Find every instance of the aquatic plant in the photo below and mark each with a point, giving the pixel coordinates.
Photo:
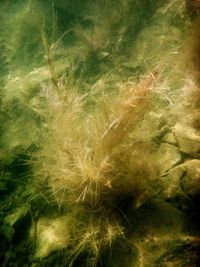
(83, 86)
(92, 164)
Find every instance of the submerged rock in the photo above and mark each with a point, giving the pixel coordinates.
(188, 140)
(191, 179)
(16, 222)
(50, 235)
(168, 156)
(182, 252)
(163, 234)
(182, 182)
(170, 139)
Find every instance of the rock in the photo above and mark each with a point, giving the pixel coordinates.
(169, 138)
(164, 251)
(123, 250)
(191, 179)
(182, 252)
(168, 156)
(188, 140)
(158, 228)
(182, 181)
(7, 231)
(16, 217)
(171, 184)
(155, 127)
(51, 235)
(16, 222)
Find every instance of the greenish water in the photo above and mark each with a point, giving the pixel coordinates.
(73, 118)
(85, 41)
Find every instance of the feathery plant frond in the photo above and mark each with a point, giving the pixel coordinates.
(90, 162)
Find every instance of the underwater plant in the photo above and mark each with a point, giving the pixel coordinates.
(85, 100)
(92, 165)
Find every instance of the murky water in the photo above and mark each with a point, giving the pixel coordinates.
(100, 133)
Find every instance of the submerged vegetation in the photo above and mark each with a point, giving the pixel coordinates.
(92, 164)
(92, 126)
